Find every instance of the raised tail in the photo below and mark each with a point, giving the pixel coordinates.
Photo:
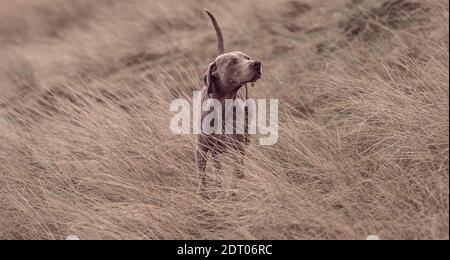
(220, 43)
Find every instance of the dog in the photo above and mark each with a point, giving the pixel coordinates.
(225, 77)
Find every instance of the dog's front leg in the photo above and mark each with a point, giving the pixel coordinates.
(200, 158)
(239, 164)
(217, 168)
(201, 166)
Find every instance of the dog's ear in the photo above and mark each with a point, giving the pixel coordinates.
(209, 80)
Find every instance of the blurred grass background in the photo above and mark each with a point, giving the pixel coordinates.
(85, 146)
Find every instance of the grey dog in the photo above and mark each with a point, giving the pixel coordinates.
(225, 76)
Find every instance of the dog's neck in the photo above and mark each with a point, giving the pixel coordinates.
(226, 91)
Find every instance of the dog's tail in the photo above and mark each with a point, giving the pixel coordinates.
(220, 44)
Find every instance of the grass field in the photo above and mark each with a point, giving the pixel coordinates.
(85, 146)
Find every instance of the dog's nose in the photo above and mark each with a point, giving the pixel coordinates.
(256, 65)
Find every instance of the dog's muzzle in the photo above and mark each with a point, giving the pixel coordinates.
(257, 66)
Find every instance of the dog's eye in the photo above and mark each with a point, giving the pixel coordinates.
(248, 58)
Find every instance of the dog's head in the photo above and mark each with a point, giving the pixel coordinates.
(229, 72)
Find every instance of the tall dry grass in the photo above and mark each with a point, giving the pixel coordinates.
(85, 146)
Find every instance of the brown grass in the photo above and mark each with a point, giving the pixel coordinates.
(85, 146)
